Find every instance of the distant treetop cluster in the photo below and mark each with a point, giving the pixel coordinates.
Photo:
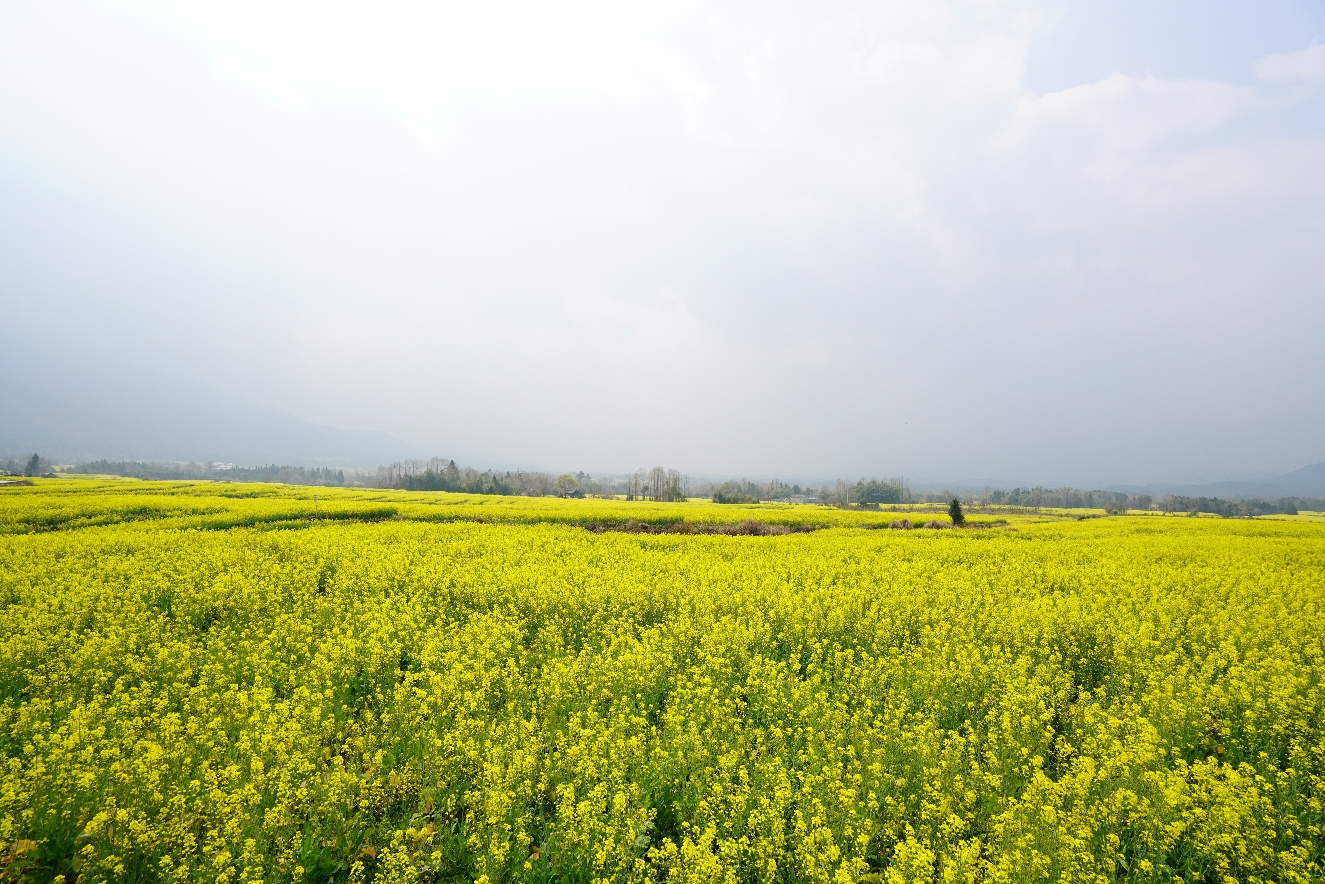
(36, 465)
(287, 475)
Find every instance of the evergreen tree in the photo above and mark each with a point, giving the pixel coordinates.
(955, 511)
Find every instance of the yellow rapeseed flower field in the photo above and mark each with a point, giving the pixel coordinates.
(205, 682)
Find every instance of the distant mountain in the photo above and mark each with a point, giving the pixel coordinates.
(1233, 490)
(1306, 482)
(117, 412)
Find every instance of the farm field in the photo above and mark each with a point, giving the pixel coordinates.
(205, 682)
(77, 502)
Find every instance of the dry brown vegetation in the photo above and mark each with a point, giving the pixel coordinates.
(747, 527)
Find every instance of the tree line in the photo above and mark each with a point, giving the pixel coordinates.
(288, 475)
(1117, 501)
(1240, 508)
(865, 492)
(1068, 498)
(662, 484)
(439, 474)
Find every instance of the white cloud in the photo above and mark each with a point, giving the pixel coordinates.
(761, 209)
(988, 66)
(1136, 113)
(1303, 66)
(238, 68)
(1283, 172)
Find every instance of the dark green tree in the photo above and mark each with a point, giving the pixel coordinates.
(955, 511)
(34, 466)
(734, 492)
(875, 491)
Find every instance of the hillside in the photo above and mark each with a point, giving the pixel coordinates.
(116, 412)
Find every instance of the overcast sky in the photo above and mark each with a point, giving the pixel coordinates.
(991, 239)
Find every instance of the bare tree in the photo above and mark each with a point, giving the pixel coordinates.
(678, 485)
(636, 483)
(659, 484)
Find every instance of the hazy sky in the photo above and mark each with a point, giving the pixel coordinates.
(988, 239)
